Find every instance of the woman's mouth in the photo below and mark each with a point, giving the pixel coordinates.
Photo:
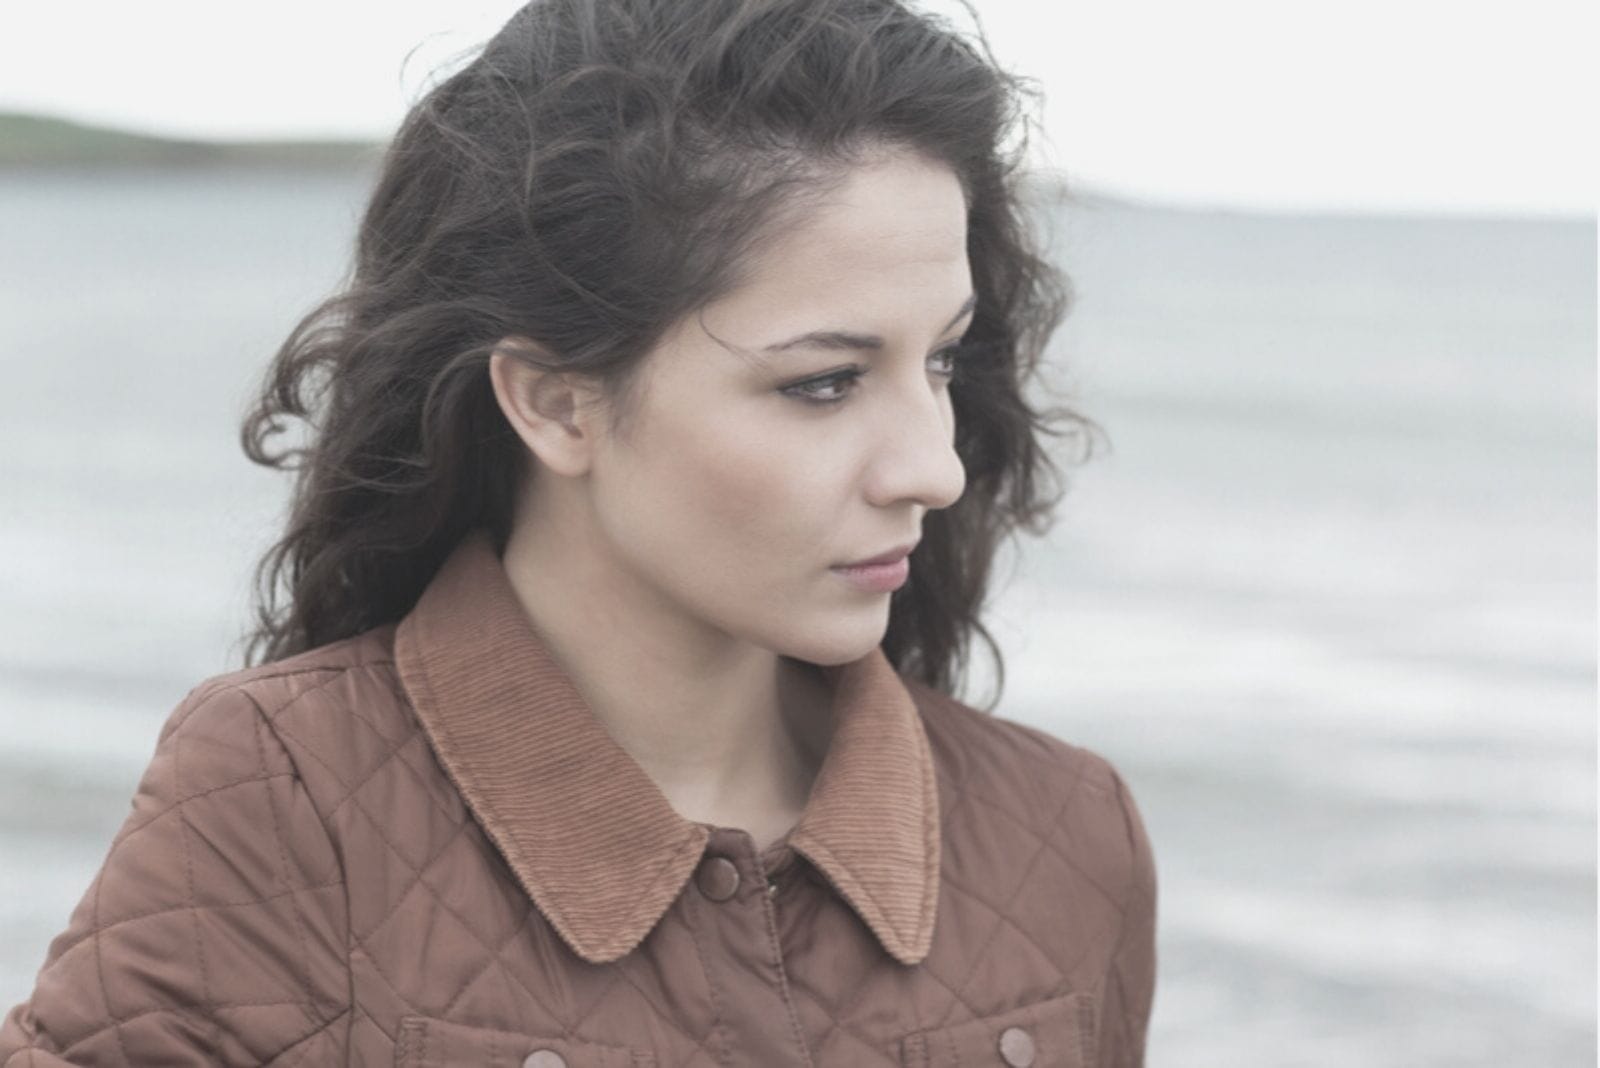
(877, 578)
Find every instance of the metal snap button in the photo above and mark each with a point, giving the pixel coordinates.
(1016, 1047)
(544, 1058)
(718, 878)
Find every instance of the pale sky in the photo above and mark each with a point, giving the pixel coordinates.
(1387, 105)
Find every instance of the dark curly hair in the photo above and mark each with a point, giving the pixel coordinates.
(599, 170)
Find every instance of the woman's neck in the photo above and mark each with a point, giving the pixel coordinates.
(731, 733)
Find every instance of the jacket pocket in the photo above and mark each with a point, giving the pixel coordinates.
(1056, 1033)
(426, 1042)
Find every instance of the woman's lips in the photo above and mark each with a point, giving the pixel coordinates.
(877, 578)
(885, 557)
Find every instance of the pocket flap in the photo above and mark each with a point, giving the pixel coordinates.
(426, 1042)
(1056, 1033)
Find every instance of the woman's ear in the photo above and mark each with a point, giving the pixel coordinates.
(554, 413)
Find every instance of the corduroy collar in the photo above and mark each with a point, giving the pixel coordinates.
(590, 836)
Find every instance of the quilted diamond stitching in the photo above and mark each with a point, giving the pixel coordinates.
(197, 795)
(397, 748)
(196, 700)
(661, 1016)
(261, 721)
(489, 962)
(835, 1024)
(1002, 918)
(211, 906)
(169, 1010)
(392, 756)
(349, 797)
(377, 969)
(177, 780)
(479, 845)
(1121, 908)
(1071, 794)
(283, 861)
(957, 996)
(961, 791)
(100, 971)
(1004, 914)
(497, 949)
(1117, 905)
(418, 881)
(307, 1044)
(951, 1051)
(1050, 845)
(870, 1046)
(717, 1017)
(350, 790)
(619, 975)
(600, 998)
(414, 881)
(832, 1011)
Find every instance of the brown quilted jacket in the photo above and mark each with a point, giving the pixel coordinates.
(417, 846)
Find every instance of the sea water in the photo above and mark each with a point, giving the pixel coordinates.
(1323, 591)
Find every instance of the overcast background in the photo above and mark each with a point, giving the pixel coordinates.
(1421, 105)
(1326, 599)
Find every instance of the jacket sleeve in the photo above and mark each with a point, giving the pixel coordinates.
(214, 932)
(1130, 982)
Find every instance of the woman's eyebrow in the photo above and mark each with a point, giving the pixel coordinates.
(843, 340)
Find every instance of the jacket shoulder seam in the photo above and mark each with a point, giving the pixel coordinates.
(269, 718)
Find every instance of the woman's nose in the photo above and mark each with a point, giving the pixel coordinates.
(915, 456)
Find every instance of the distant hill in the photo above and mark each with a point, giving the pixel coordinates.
(41, 141)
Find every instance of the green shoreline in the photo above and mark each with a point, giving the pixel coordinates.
(28, 141)
(40, 142)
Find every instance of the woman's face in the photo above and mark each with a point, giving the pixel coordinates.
(747, 477)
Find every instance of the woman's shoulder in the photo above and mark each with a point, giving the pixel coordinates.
(278, 682)
(1000, 777)
(987, 748)
(326, 705)
(312, 667)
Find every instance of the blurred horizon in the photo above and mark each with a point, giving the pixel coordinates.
(57, 139)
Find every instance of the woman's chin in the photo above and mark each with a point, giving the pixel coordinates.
(845, 644)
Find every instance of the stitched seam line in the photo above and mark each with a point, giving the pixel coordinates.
(305, 1043)
(184, 831)
(767, 912)
(170, 1011)
(834, 1011)
(718, 1021)
(1000, 919)
(114, 924)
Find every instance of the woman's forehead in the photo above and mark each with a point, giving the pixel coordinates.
(888, 227)
(899, 208)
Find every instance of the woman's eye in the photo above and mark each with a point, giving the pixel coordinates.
(825, 390)
(952, 357)
(833, 388)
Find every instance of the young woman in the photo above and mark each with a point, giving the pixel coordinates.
(660, 446)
